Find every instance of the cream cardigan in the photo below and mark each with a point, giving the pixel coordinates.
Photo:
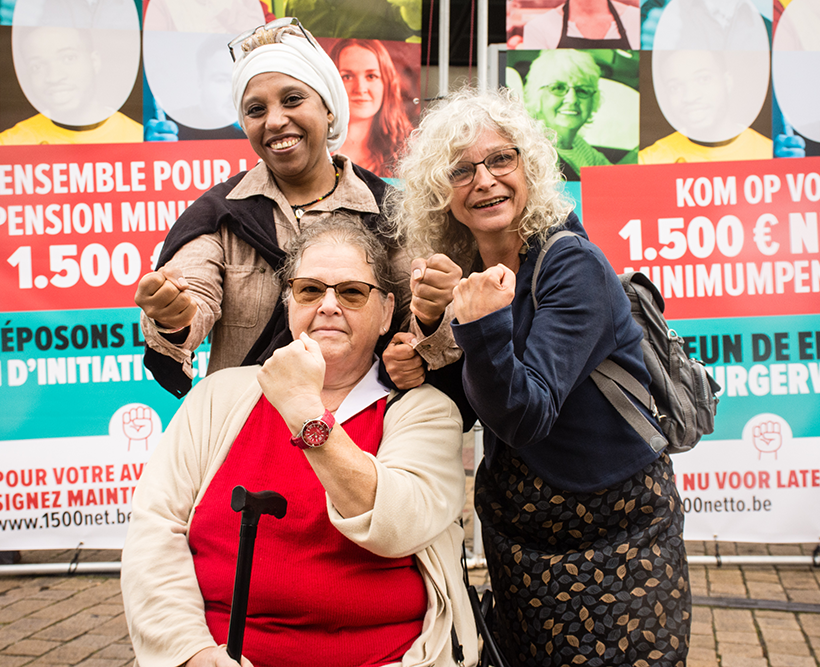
(419, 497)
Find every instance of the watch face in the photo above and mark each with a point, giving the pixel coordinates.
(315, 433)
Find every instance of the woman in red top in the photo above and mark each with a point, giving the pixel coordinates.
(363, 569)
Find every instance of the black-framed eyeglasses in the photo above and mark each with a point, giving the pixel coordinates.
(352, 294)
(560, 89)
(499, 163)
(238, 51)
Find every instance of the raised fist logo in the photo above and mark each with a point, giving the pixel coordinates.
(767, 438)
(137, 426)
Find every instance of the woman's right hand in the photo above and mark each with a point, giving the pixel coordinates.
(432, 282)
(216, 656)
(163, 296)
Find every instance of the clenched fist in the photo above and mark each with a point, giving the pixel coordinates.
(163, 297)
(483, 293)
(431, 282)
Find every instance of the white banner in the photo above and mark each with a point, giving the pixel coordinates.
(761, 488)
(75, 491)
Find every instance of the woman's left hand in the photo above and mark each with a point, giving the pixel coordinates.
(483, 293)
(292, 380)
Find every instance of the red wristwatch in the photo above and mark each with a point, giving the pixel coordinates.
(315, 432)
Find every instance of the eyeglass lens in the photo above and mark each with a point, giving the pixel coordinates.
(560, 89)
(351, 293)
(499, 163)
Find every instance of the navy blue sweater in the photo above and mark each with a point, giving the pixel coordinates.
(526, 372)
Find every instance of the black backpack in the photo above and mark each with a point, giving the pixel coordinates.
(681, 393)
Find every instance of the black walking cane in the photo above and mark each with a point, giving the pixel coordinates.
(252, 506)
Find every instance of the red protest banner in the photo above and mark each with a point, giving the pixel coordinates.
(79, 229)
(730, 239)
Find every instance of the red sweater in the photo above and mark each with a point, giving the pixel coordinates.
(316, 597)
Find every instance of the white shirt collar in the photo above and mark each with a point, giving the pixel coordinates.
(364, 394)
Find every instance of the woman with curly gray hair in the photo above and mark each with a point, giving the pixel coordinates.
(582, 523)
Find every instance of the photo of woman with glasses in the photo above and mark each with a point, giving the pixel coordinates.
(562, 90)
(378, 122)
(214, 275)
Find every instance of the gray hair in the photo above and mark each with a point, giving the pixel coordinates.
(420, 214)
(341, 228)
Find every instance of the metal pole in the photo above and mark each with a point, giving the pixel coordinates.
(483, 40)
(478, 454)
(443, 47)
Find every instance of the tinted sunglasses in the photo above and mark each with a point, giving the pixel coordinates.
(352, 294)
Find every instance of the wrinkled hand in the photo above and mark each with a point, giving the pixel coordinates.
(215, 657)
(292, 380)
(404, 365)
(483, 293)
(163, 297)
(431, 283)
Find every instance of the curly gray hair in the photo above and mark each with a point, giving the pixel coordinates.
(420, 213)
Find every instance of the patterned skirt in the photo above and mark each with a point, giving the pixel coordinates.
(596, 579)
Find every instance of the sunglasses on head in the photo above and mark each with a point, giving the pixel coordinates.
(352, 294)
(239, 51)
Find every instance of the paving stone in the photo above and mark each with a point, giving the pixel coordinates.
(32, 647)
(80, 648)
(733, 620)
(13, 660)
(803, 595)
(785, 660)
(102, 662)
(776, 619)
(25, 626)
(20, 608)
(725, 649)
(737, 637)
(115, 627)
(706, 641)
(782, 637)
(787, 647)
(810, 623)
(72, 627)
(117, 652)
(702, 662)
(742, 661)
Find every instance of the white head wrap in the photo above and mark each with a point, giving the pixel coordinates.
(297, 57)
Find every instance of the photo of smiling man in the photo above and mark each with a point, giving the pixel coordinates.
(711, 99)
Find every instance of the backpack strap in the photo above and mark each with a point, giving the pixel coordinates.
(611, 379)
(544, 250)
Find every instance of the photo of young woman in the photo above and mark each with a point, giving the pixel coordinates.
(379, 118)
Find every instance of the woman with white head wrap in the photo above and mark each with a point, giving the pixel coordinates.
(215, 271)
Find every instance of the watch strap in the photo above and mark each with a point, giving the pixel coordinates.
(314, 432)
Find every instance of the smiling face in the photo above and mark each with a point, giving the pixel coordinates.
(491, 205)
(287, 124)
(347, 337)
(567, 113)
(363, 82)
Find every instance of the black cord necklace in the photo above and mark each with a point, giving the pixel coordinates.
(299, 210)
